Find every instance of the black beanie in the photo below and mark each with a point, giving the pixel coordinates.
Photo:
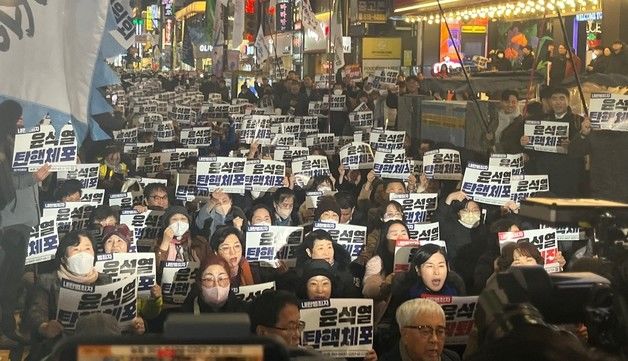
(326, 203)
(171, 211)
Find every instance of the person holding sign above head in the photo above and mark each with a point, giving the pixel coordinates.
(422, 327)
(565, 170)
(379, 274)
(212, 291)
(178, 244)
(228, 243)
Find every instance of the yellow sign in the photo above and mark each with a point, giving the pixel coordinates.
(473, 29)
(381, 48)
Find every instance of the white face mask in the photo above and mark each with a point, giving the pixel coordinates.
(283, 213)
(80, 263)
(388, 218)
(255, 194)
(215, 295)
(337, 91)
(330, 221)
(179, 228)
(263, 223)
(470, 219)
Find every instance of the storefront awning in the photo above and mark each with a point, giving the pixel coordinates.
(194, 8)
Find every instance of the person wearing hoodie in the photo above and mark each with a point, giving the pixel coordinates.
(178, 243)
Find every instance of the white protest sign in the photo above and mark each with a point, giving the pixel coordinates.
(93, 195)
(118, 299)
(487, 185)
(405, 250)
(566, 232)
(424, 232)
(41, 146)
(357, 155)
(382, 79)
(338, 103)
(442, 164)
(338, 327)
(387, 140)
(361, 119)
(122, 265)
(196, 137)
(168, 160)
(87, 174)
(417, 207)
(391, 164)
(362, 107)
(352, 238)
(546, 136)
(70, 215)
(325, 141)
(43, 241)
(144, 181)
(182, 114)
(146, 227)
(125, 136)
(513, 161)
(544, 239)
(459, 320)
(270, 245)
(256, 128)
(315, 108)
(527, 186)
(164, 132)
(249, 293)
(609, 111)
(264, 175)
(186, 189)
(177, 280)
(284, 139)
(287, 154)
(224, 173)
(122, 200)
(139, 148)
(305, 168)
(148, 122)
(216, 111)
(416, 166)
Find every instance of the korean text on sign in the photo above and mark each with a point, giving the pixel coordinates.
(609, 111)
(357, 155)
(544, 239)
(122, 265)
(225, 173)
(546, 136)
(486, 184)
(442, 164)
(177, 280)
(272, 245)
(43, 241)
(352, 238)
(417, 207)
(41, 146)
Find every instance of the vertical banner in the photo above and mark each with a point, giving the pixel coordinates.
(338, 327)
(284, 16)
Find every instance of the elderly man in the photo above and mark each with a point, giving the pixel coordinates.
(422, 327)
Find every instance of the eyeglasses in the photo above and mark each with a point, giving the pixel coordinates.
(426, 331)
(235, 248)
(160, 198)
(211, 281)
(292, 328)
(285, 205)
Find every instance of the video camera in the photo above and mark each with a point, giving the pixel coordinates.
(210, 337)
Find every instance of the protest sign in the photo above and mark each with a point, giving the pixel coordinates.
(146, 228)
(264, 175)
(272, 245)
(459, 313)
(93, 195)
(487, 185)
(566, 232)
(362, 107)
(357, 155)
(325, 141)
(417, 207)
(312, 197)
(125, 136)
(361, 119)
(256, 128)
(315, 108)
(424, 232)
(323, 81)
(249, 293)
(304, 168)
(176, 281)
(405, 250)
(338, 103)
(287, 154)
(122, 265)
(609, 111)
(70, 215)
(544, 239)
(43, 241)
(87, 174)
(164, 131)
(216, 111)
(196, 137)
(168, 160)
(139, 148)
(416, 166)
(387, 139)
(546, 136)
(284, 139)
(186, 188)
(182, 114)
(382, 79)
(513, 161)
(148, 122)
(352, 238)
(339, 327)
(223, 173)
(118, 299)
(527, 186)
(442, 164)
(353, 72)
(144, 181)
(122, 200)
(391, 164)
(41, 146)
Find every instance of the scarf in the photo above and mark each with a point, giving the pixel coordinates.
(89, 278)
(180, 251)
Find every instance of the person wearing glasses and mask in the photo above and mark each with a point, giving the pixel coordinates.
(422, 327)
(212, 290)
